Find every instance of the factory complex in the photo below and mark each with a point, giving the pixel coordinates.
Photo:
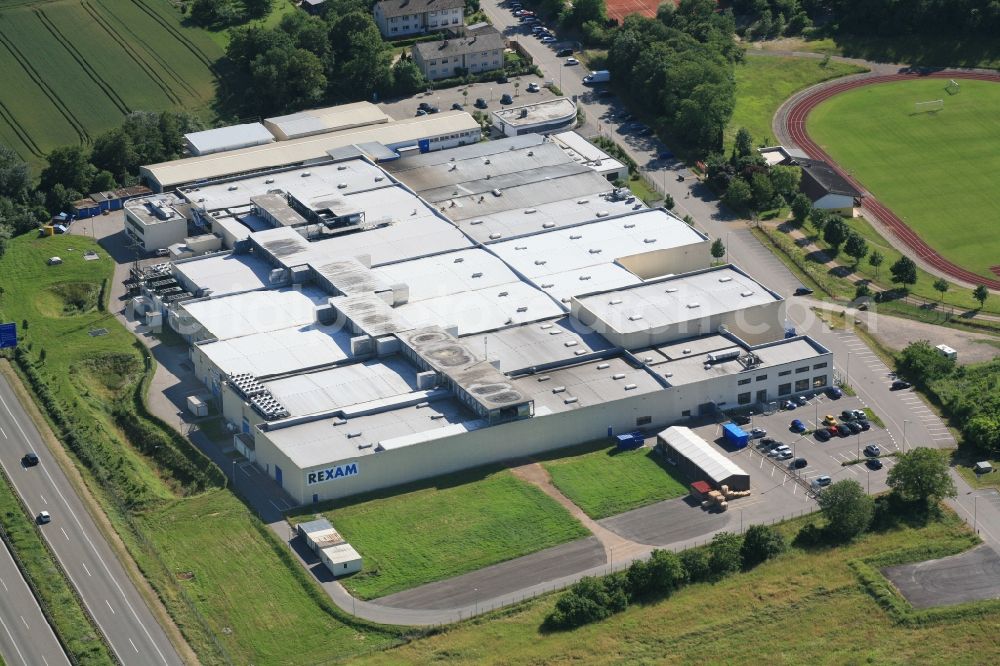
(373, 316)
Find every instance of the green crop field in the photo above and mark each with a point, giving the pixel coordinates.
(71, 70)
(605, 483)
(936, 170)
(764, 82)
(457, 524)
(804, 607)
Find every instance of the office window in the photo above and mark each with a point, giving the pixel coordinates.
(644, 420)
(819, 382)
(686, 412)
(784, 373)
(744, 382)
(761, 378)
(762, 396)
(819, 366)
(744, 398)
(802, 385)
(784, 389)
(799, 371)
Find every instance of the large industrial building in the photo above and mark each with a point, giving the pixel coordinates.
(370, 324)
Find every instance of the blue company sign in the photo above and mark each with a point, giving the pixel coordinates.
(332, 473)
(8, 335)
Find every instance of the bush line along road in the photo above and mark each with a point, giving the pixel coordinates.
(92, 566)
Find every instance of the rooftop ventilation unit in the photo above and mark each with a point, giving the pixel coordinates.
(629, 387)
(595, 250)
(584, 277)
(547, 285)
(570, 343)
(671, 290)
(247, 385)
(540, 262)
(341, 167)
(570, 400)
(544, 378)
(603, 366)
(269, 180)
(503, 293)
(635, 317)
(744, 294)
(582, 201)
(630, 225)
(725, 279)
(685, 351)
(379, 179)
(559, 389)
(233, 188)
(268, 407)
(520, 247)
(477, 275)
(495, 236)
(602, 213)
(548, 225)
(545, 326)
(459, 260)
(619, 375)
(530, 211)
(476, 222)
(575, 237)
(523, 308)
(615, 301)
(353, 434)
(719, 357)
(692, 306)
(648, 240)
(435, 417)
(341, 186)
(306, 174)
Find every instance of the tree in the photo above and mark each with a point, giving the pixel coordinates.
(763, 191)
(835, 232)
(760, 543)
(257, 8)
(876, 259)
(666, 572)
(668, 201)
(738, 195)
(15, 176)
(70, 167)
(981, 293)
(743, 144)
(855, 247)
(923, 363)
(941, 286)
(584, 11)
(696, 564)
(983, 431)
(785, 180)
(589, 600)
(724, 554)
(921, 476)
(847, 509)
(407, 77)
(801, 207)
(904, 271)
(819, 218)
(718, 249)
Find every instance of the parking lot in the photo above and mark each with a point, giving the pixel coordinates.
(490, 92)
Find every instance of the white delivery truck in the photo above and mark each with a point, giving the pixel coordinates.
(600, 76)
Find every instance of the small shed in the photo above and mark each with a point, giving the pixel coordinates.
(197, 406)
(319, 534)
(735, 436)
(698, 459)
(341, 559)
(982, 467)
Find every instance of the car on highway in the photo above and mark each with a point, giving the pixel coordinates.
(797, 426)
(798, 463)
(899, 385)
(873, 463)
(873, 451)
(43, 518)
(533, 87)
(562, 53)
(29, 459)
(822, 435)
(506, 99)
(834, 393)
(822, 481)
(572, 61)
(480, 103)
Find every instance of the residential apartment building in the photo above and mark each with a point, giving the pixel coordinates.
(479, 50)
(401, 18)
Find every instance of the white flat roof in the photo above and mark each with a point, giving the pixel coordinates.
(321, 442)
(506, 224)
(688, 297)
(280, 351)
(225, 273)
(256, 311)
(447, 273)
(228, 138)
(690, 369)
(281, 153)
(328, 119)
(535, 344)
(344, 386)
(342, 553)
(591, 383)
(701, 453)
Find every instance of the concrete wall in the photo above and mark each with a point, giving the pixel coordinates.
(157, 236)
(674, 260)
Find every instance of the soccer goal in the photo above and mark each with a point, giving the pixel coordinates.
(953, 88)
(929, 106)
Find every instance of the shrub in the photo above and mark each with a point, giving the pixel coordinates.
(760, 543)
(724, 555)
(589, 600)
(847, 509)
(696, 564)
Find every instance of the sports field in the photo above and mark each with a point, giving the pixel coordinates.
(71, 69)
(936, 170)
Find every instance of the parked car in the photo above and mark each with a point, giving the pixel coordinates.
(803, 291)
(29, 459)
(899, 385)
(789, 405)
(853, 427)
(860, 414)
(873, 451)
(533, 87)
(572, 61)
(424, 105)
(833, 431)
(456, 107)
(480, 103)
(830, 420)
(802, 400)
(822, 481)
(162, 252)
(798, 426)
(843, 432)
(740, 419)
(779, 451)
(757, 433)
(798, 463)
(766, 441)
(562, 53)
(506, 99)
(43, 518)
(822, 435)
(785, 455)
(548, 39)
(834, 392)
(433, 109)
(847, 415)
(873, 463)
(502, 78)
(865, 425)
(421, 112)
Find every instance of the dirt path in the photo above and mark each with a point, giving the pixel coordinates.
(615, 547)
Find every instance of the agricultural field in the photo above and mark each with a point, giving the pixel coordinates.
(806, 606)
(71, 70)
(447, 527)
(936, 170)
(763, 83)
(607, 482)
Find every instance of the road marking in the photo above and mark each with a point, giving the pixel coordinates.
(13, 642)
(4, 433)
(112, 609)
(133, 646)
(43, 498)
(25, 623)
(4, 585)
(85, 568)
(45, 660)
(64, 533)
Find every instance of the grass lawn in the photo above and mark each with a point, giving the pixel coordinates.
(605, 482)
(456, 524)
(764, 82)
(751, 617)
(935, 170)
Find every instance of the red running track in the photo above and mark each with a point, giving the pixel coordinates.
(796, 126)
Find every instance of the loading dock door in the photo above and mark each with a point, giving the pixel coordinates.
(277, 475)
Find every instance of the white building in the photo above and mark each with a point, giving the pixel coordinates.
(154, 224)
(535, 118)
(227, 138)
(329, 119)
(506, 303)
(474, 52)
(401, 18)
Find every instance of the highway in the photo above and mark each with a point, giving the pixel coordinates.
(25, 637)
(93, 568)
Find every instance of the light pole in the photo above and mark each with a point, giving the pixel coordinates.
(905, 421)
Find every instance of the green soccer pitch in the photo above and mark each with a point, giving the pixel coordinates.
(936, 170)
